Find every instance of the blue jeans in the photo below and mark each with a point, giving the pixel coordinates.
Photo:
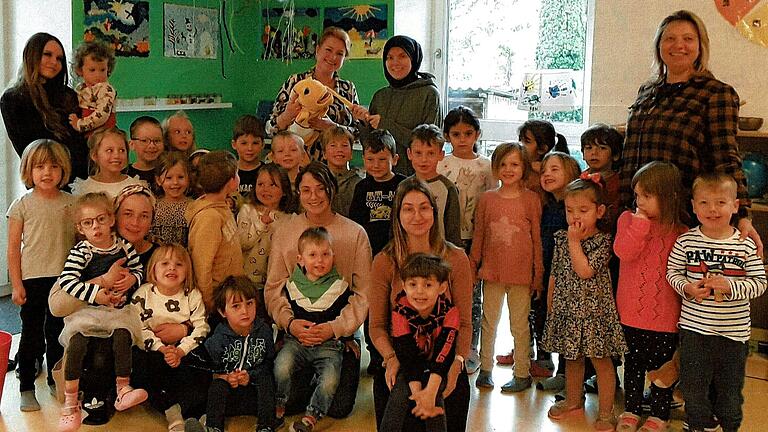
(711, 379)
(325, 359)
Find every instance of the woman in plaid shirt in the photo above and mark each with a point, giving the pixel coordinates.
(684, 115)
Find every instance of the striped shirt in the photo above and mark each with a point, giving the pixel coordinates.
(79, 267)
(692, 257)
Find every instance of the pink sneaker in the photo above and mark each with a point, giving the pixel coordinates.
(70, 419)
(129, 397)
(506, 359)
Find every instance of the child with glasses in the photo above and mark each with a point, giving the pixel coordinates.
(93, 273)
(147, 143)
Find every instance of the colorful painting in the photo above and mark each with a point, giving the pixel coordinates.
(190, 32)
(550, 90)
(122, 24)
(367, 26)
(290, 34)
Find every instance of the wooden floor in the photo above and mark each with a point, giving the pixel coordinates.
(490, 410)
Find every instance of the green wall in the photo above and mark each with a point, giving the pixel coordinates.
(248, 78)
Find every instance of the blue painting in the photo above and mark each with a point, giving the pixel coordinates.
(121, 24)
(367, 26)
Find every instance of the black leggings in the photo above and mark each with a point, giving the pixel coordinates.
(78, 347)
(39, 332)
(648, 350)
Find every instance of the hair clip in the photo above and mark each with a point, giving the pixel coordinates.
(594, 178)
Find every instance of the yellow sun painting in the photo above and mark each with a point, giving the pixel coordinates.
(360, 12)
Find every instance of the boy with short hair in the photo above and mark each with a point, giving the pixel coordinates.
(425, 325)
(148, 144)
(601, 146)
(337, 149)
(288, 152)
(316, 293)
(242, 356)
(717, 274)
(213, 242)
(425, 151)
(248, 141)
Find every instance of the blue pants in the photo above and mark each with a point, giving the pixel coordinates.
(325, 359)
(712, 363)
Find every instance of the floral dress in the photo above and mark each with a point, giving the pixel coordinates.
(583, 321)
(169, 225)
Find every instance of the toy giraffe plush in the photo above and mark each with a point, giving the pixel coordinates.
(314, 98)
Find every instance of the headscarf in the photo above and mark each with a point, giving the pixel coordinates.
(413, 50)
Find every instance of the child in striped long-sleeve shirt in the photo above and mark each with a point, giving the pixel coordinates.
(89, 275)
(717, 274)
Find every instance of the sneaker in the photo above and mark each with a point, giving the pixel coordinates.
(472, 363)
(560, 410)
(559, 396)
(506, 359)
(654, 424)
(517, 385)
(687, 428)
(264, 429)
(484, 379)
(70, 419)
(628, 422)
(539, 371)
(556, 383)
(605, 422)
(129, 397)
(306, 424)
(28, 402)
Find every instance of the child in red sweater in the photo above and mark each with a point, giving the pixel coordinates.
(648, 306)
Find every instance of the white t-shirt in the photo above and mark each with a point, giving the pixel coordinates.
(472, 177)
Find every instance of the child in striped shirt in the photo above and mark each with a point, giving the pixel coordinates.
(717, 274)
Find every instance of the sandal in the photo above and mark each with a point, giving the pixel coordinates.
(628, 422)
(654, 424)
(605, 422)
(561, 410)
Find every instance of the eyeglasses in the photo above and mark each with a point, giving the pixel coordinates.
(88, 223)
(146, 141)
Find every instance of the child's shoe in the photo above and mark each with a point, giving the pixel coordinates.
(605, 422)
(561, 410)
(472, 363)
(539, 371)
(654, 424)
(129, 397)
(306, 424)
(71, 418)
(556, 383)
(193, 425)
(517, 384)
(28, 401)
(484, 379)
(628, 422)
(264, 429)
(506, 359)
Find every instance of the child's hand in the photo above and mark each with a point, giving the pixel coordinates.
(116, 271)
(536, 289)
(577, 232)
(352, 345)
(125, 283)
(19, 295)
(242, 377)
(172, 355)
(73, 121)
(116, 299)
(696, 290)
(425, 404)
(640, 214)
(103, 297)
(718, 284)
(267, 218)
(233, 379)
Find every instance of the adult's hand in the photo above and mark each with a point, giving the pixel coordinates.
(300, 329)
(320, 124)
(374, 120)
(292, 109)
(360, 113)
(170, 333)
(451, 378)
(748, 230)
(116, 272)
(392, 367)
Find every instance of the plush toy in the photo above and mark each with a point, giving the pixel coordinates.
(314, 98)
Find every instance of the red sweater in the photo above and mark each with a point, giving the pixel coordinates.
(645, 300)
(507, 240)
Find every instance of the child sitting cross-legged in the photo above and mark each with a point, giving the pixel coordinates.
(424, 330)
(317, 294)
(242, 355)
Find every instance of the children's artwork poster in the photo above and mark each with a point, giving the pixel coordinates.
(290, 33)
(367, 26)
(750, 17)
(121, 24)
(190, 31)
(550, 90)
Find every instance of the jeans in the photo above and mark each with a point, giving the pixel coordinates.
(712, 361)
(257, 398)
(39, 332)
(325, 359)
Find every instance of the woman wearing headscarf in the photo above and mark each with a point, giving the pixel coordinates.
(410, 99)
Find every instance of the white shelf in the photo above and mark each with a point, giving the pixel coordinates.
(175, 107)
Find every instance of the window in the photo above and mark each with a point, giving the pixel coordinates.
(493, 47)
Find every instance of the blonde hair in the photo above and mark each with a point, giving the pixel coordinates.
(701, 64)
(338, 33)
(715, 180)
(166, 124)
(663, 180)
(94, 142)
(42, 151)
(570, 165)
(503, 150)
(180, 252)
(334, 132)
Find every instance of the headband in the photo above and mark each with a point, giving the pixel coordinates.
(134, 190)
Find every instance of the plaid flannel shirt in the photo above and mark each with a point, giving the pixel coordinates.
(692, 124)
